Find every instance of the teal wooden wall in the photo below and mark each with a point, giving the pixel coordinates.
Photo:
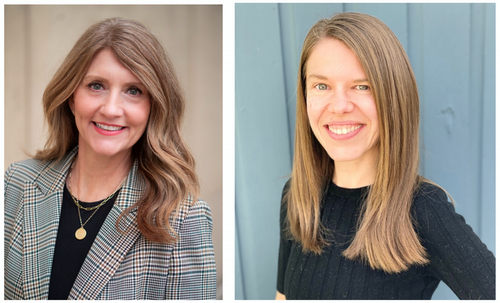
(452, 51)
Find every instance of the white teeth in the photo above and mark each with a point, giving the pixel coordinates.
(343, 130)
(108, 127)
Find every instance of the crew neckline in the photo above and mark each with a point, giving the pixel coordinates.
(347, 192)
(87, 204)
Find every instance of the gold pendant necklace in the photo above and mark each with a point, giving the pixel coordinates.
(80, 233)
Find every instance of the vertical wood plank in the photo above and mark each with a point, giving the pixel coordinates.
(263, 157)
(487, 219)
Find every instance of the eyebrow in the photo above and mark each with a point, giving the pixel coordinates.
(102, 79)
(317, 76)
(321, 77)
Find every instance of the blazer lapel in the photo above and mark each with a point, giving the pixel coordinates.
(42, 209)
(110, 246)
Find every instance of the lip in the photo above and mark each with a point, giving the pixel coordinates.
(341, 136)
(108, 132)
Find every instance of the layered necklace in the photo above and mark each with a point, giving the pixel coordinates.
(81, 233)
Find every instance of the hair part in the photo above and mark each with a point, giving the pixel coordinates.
(164, 160)
(385, 237)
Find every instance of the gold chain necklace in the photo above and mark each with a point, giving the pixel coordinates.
(89, 208)
(81, 233)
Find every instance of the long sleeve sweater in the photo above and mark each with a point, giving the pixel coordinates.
(456, 254)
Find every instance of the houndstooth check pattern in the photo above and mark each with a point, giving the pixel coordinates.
(118, 266)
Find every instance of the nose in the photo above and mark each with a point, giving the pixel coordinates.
(340, 103)
(112, 105)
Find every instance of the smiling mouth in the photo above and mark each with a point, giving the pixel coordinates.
(343, 130)
(108, 127)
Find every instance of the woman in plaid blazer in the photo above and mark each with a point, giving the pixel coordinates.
(114, 111)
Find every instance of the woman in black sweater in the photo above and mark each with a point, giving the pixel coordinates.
(357, 221)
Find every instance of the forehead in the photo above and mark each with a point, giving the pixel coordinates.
(333, 58)
(105, 64)
(104, 57)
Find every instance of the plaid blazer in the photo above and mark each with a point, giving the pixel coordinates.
(118, 266)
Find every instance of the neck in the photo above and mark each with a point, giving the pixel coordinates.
(355, 174)
(94, 178)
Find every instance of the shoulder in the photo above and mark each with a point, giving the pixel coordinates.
(284, 209)
(32, 169)
(431, 208)
(194, 215)
(19, 174)
(286, 187)
(429, 195)
(25, 170)
(430, 192)
(198, 208)
(284, 200)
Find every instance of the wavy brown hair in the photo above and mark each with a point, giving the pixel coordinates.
(164, 161)
(385, 236)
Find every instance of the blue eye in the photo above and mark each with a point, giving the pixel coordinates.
(134, 91)
(95, 86)
(362, 87)
(322, 86)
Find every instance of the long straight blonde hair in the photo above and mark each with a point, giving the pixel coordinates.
(165, 163)
(385, 237)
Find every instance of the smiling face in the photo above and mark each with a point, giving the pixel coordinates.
(111, 107)
(340, 104)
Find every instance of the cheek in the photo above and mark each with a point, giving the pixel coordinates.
(142, 114)
(315, 108)
(83, 104)
(372, 114)
(76, 100)
(315, 102)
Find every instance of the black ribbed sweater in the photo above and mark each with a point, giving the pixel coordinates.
(457, 256)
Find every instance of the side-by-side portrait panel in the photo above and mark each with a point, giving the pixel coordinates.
(113, 152)
(365, 151)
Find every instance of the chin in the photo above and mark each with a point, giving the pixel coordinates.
(110, 151)
(343, 156)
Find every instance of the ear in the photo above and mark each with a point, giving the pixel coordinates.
(71, 103)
